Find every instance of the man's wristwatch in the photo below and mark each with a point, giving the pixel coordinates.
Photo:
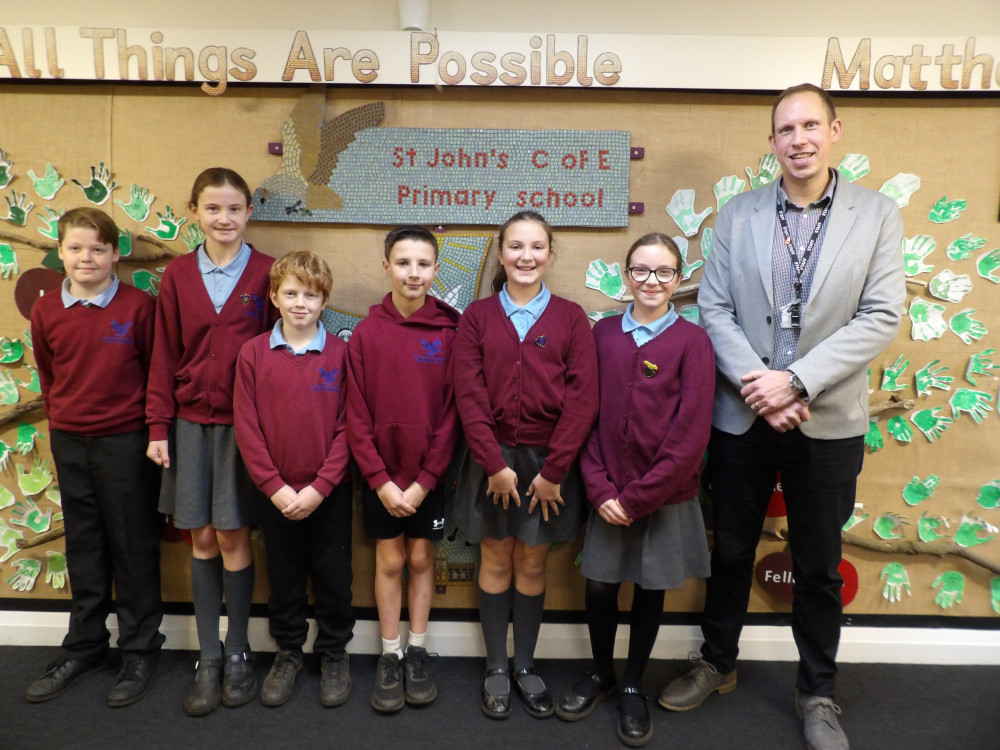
(796, 385)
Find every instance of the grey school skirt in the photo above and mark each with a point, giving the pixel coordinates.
(659, 551)
(207, 482)
(477, 516)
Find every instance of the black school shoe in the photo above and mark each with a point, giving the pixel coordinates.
(59, 677)
(239, 679)
(205, 692)
(635, 728)
(495, 705)
(420, 689)
(537, 704)
(581, 699)
(134, 680)
(387, 694)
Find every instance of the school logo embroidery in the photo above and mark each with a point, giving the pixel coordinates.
(328, 380)
(254, 306)
(121, 333)
(540, 341)
(431, 352)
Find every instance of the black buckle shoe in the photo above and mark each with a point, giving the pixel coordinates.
(496, 705)
(205, 692)
(134, 680)
(581, 699)
(538, 704)
(635, 728)
(239, 679)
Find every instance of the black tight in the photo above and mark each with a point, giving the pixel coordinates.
(602, 620)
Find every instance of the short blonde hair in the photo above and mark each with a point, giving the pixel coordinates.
(305, 266)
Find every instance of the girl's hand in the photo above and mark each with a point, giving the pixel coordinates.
(612, 512)
(503, 486)
(393, 500)
(303, 504)
(283, 498)
(158, 454)
(415, 494)
(546, 494)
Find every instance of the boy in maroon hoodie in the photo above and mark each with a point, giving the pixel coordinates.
(403, 447)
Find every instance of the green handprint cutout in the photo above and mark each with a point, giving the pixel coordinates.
(597, 315)
(854, 167)
(915, 249)
(11, 351)
(55, 570)
(32, 383)
(889, 526)
(5, 453)
(27, 572)
(989, 495)
(17, 208)
(600, 276)
(995, 593)
(981, 364)
(930, 377)
(26, 513)
(952, 587)
(727, 188)
(898, 429)
(707, 242)
(768, 171)
(169, 225)
(100, 187)
(973, 531)
(8, 389)
(137, 208)
(974, 403)
(950, 286)
(6, 498)
(890, 378)
(8, 261)
(928, 525)
(857, 517)
(50, 223)
(147, 281)
(966, 327)
(124, 243)
(193, 236)
(961, 248)
(690, 313)
(900, 188)
(868, 381)
(987, 264)
(33, 482)
(945, 210)
(929, 422)
(896, 581)
(8, 540)
(54, 495)
(48, 185)
(6, 173)
(873, 438)
(26, 437)
(926, 320)
(681, 210)
(917, 490)
(686, 268)
(26, 337)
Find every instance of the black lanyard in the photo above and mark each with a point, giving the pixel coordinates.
(799, 264)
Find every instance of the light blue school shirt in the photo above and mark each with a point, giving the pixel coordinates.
(643, 333)
(525, 317)
(278, 340)
(101, 300)
(220, 282)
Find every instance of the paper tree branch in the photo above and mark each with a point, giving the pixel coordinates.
(893, 402)
(165, 250)
(39, 539)
(11, 414)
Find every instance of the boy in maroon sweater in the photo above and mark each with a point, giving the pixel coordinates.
(403, 447)
(92, 341)
(295, 448)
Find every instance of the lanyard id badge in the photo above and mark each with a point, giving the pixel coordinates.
(791, 314)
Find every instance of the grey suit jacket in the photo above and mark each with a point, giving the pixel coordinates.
(851, 316)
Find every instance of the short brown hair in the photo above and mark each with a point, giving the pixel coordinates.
(802, 88)
(89, 218)
(217, 177)
(410, 232)
(307, 267)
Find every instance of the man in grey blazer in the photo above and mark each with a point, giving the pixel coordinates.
(804, 287)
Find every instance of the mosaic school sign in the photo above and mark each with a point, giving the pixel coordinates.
(469, 176)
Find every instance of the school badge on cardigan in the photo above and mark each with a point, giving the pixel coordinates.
(648, 368)
(540, 341)
(245, 298)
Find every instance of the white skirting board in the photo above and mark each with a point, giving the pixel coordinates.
(759, 642)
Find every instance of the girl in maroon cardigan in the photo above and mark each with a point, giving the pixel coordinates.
(640, 467)
(525, 375)
(211, 301)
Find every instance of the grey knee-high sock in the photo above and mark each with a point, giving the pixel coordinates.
(238, 585)
(527, 622)
(494, 614)
(206, 590)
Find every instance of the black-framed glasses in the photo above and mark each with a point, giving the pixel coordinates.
(640, 274)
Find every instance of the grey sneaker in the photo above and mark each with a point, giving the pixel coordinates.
(278, 684)
(690, 690)
(335, 678)
(420, 687)
(387, 696)
(819, 722)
